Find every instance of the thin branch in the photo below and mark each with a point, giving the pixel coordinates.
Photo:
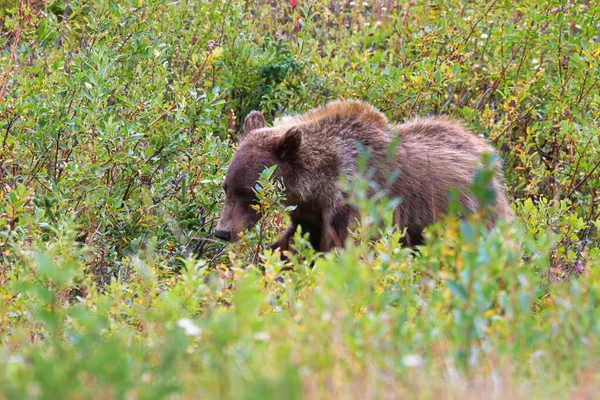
(520, 117)
(13, 51)
(589, 174)
(133, 31)
(201, 239)
(198, 74)
(465, 40)
(579, 160)
(502, 76)
(217, 255)
(8, 128)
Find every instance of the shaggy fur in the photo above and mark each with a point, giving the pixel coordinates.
(314, 149)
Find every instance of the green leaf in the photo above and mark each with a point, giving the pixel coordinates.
(457, 289)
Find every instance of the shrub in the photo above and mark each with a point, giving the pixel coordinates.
(118, 119)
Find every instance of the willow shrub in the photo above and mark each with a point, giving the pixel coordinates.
(117, 122)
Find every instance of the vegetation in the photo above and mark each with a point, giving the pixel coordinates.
(117, 122)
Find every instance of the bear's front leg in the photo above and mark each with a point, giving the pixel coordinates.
(283, 243)
(337, 226)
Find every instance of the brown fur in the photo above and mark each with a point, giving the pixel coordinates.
(349, 109)
(314, 149)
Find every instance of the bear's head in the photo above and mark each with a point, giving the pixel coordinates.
(259, 148)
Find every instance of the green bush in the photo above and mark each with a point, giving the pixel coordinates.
(117, 124)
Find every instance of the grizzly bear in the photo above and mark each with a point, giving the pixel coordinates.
(313, 150)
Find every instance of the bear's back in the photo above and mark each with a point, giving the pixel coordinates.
(340, 111)
(441, 133)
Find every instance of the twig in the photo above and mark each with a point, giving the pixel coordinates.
(199, 249)
(450, 98)
(260, 243)
(584, 179)
(175, 188)
(8, 128)
(582, 95)
(521, 116)
(483, 98)
(579, 160)
(131, 34)
(35, 168)
(13, 51)
(396, 105)
(198, 74)
(412, 107)
(559, 58)
(465, 40)
(205, 239)
(219, 253)
(522, 59)
(502, 76)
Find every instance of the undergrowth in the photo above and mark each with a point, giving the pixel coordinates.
(118, 120)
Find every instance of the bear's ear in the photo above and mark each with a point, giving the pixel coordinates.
(254, 120)
(289, 143)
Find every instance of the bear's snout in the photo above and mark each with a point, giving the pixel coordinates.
(223, 235)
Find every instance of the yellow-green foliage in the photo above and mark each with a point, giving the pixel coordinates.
(116, 127)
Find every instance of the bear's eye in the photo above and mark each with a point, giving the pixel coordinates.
(245, 194)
